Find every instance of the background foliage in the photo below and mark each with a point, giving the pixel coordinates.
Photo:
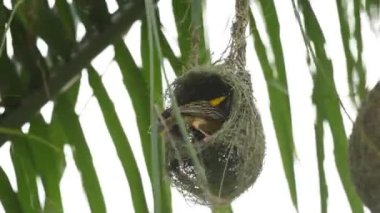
(30, 77)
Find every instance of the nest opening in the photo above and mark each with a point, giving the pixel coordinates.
(200, 85)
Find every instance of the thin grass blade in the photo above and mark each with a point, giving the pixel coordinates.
(188, 17)
(73, 132)
(26, 175)
(138, 92)
(152, 64)
(49, 164)
(360, 89)
(137, 87)
(8, 197)
(327, 101)
(354, 64)
(323, 189)
(279, 100)
(120, 141)
(168, 53)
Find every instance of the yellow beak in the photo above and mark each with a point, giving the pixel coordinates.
(216, 101)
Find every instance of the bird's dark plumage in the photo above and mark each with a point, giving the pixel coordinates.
(201, 118)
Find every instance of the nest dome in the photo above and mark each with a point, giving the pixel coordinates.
(232, 159)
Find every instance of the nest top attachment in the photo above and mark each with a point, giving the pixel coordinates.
(232, 156)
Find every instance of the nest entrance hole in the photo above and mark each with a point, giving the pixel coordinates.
(198, 85)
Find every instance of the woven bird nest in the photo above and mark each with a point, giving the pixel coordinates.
(232, 159)
(364, 151)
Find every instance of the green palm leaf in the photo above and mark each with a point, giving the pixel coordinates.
(120, 140)
(8, 197)
(82, 156)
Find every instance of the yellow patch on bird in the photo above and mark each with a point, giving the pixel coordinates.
(216, 101)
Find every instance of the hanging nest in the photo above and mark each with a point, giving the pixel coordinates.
(364, 151)
(232, 157)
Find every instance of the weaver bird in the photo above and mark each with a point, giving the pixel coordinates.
(201, 118)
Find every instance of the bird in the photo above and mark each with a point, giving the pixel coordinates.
(201, 118)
